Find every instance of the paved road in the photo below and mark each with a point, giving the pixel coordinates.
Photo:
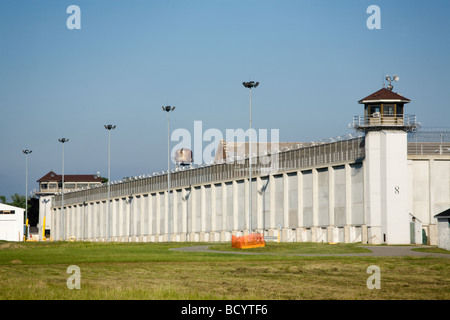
(377, 251)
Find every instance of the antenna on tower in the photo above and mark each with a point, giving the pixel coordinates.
(394, 78)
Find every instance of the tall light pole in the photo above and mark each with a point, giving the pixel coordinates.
(250, 85)
(26, 152)
(168, 109)
(109, 127)
(63, 141)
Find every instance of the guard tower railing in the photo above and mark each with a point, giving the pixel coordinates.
(378, 121)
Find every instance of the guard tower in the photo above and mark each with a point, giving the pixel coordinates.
(384, 110)
(386, 125)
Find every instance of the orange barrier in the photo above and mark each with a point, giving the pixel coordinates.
(253, 240)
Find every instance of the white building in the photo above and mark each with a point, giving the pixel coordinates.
(443, 221)
(11, 223)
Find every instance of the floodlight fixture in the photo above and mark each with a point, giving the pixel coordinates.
(168, 108)
(250, 84)
(110, 126)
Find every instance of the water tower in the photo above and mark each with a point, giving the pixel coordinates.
(183, 157)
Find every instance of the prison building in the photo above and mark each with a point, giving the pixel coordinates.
(383, 185)
(51, 184)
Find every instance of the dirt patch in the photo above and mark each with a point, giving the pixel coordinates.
(12, 245)
(16, 261)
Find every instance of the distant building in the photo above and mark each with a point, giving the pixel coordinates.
(11, 223)
(51, 184)
(443, 222)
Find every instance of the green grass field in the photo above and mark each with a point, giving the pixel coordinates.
(134, 271)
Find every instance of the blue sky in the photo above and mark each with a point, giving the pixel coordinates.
(314, 60)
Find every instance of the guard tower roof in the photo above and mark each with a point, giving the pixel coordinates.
(384, 95)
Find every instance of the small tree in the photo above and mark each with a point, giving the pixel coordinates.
(18, 200)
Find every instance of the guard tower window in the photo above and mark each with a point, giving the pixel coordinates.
(69, 185)
(374, 109)
(388, 110)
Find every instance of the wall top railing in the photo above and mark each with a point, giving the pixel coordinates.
(429, 148)
(320, 154)
(429, 141)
